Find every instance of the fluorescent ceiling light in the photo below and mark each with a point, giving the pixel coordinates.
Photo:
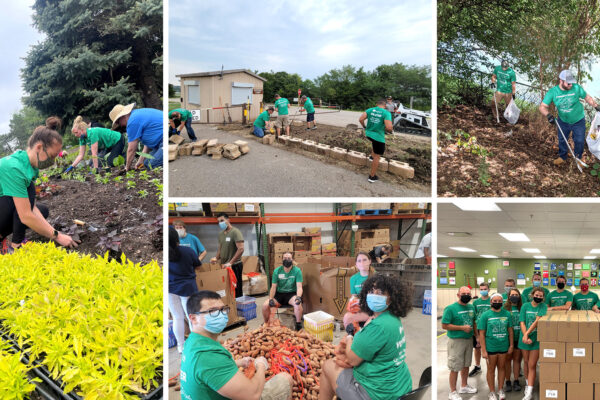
(539, 257)
(441, 256)
(532, 250)
(595, 251)
(589, 257)
(463, 249)
(476, 205)
(515, 237)
(487, 256)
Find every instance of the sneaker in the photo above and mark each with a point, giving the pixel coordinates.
(476, 370)
(528, 393)
(371, 158)
(298, 326)
(516, 386)
(373, 179)
(558, 161)
(507, 386)
(467, 389)
(308, 129)
(5, 246)
(194, 140)
(454, 396)
(314, 127)
(492, 396)
(501, 395)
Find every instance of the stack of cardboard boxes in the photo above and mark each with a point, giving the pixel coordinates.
(569, 355)
(347, 208)
(364, 239)
(302, 245)
(408, 208)
(235, 209)
(216, 279)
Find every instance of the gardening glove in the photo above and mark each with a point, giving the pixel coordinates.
(68, 169)
(551, 119)
(298, 300)
(597, 107)
(271, 303)
(350, 329)
(492, 85)
(263, 361)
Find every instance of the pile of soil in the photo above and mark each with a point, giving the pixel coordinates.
(520, 163)
(106, 208)
(414, 151)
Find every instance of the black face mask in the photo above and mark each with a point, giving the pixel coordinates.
(465, 298)
(514, 299)
(496, 306)
(560, 285)
(537, 300)
(287, 263)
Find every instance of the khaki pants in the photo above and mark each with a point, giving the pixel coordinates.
(500, 97)
(460, 352)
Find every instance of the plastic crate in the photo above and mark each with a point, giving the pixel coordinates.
(427, 302)
(320, 325)
(246, 307)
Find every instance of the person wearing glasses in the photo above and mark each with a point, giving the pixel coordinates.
(208, 370)
(571, 116)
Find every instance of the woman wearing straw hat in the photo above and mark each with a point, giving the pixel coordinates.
(142, 125)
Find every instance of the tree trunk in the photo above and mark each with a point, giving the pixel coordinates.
(145, 78)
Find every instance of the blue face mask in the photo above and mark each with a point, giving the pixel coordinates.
(536, 283)
(376, 302)
(223, 225)
(215, 324)
(484, 292)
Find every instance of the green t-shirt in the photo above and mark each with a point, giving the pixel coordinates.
(286, 281)
(356, 282)
(504, 79)
(557, 299)
(227, 244)
(481, 306)
(308, 106)
(382, 345)
(584, 301)
(185, 114)
(457, 314)
(525, 294)
(514, 317)
(282, 106)
(528, 314)
(570, 109)
(375, 123)
(105, 138)
(262, 119)
(495, 325)
(16, 174)
(206, 366)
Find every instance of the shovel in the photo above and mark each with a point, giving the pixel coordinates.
(228, 114)
(577, 160)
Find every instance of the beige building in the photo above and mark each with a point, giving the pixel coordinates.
(205, 91)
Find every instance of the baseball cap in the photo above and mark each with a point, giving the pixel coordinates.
(504, 64)
(566, 76)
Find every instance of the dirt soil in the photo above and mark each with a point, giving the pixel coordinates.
(415, 151)
(106, 208)
(520, 163)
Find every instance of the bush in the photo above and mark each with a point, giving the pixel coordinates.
(14, 384)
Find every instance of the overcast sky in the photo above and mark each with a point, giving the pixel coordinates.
(17, 36)
(308, 37)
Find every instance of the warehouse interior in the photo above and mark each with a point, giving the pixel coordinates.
(349, 224)
(483, 240)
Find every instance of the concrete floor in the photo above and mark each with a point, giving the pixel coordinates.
(479, 381)
(417, 343)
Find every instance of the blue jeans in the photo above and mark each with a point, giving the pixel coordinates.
(578, 129)
(258, 131)
(157, 161)
(190, 130)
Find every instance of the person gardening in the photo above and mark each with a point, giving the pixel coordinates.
(307, 103)
(262, 122)
(18, 207)
(230, 250)
(459, 320)
(143, 125)
(504, 83)
(482, 304)
(286, 288)
(536, 281)
(188, 240)
(497, 343)
(283, 118)
(513, 361)
(530, 314)
(571, 116)
(355, 317)
(208, 370)
(372, 363)
(561, 298)
(584, 300)
(180, 118)
(100, 140)
(379, 120)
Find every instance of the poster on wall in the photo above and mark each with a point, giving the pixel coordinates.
(443, 265)
(577, 266)
(443, 281)
(561, 273)
(561, 266)
(593, 266)
(545, 281)
(585, 274)
(521, 282)
(451, 265)
(569, 274)
(594, 282)
(552, 267)
(586, 266)
(594, 274)
(443, 274)
(577, 274)
(453, 281)
(537, 266)
(553, 274)
(545, 266)
(569, 266)
(520, 276)
(577, 281)
(544, 274)
(569, 282)
(452, 272)
(552, 281)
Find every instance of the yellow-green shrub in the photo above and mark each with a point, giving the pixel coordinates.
(14, 384)
(96, 324)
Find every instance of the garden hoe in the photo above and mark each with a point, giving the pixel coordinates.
(577, 160)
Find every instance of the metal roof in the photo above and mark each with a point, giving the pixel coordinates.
(216, 73)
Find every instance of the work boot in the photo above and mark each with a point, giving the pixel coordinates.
(558, 161)
(476, 370)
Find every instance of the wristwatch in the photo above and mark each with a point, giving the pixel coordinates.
(54, 234)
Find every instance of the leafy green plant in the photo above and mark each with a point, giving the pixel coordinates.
(119, 161)
(130, 174)
(595, 171)
(130, 184)
(143, 193)
(483, 172)
(143, 175)
(14, 384)
(78, 177)
(145, 155)
(118, 179)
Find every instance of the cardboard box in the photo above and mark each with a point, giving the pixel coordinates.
(552, 352)
(216, 208)
(553, 391)
(312, 230)
(579, 353)
(301, 257)
(302, 243)
(549, 372)
(568, 327)
(596, 353)
(548, 326)
(590, 373)
(569, 373)
(247, 208)
(255, 285)
(580, 391)
(328, 247)
(250, 264)
(328, 291)
(218, 281)
(282, 247)
(589, 328)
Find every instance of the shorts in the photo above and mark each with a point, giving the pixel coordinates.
(277, 388)
(378, 147)
(284, 298)
(310, 117)
(460, 353)
(349, 388)
(495, 353)
(283, 121)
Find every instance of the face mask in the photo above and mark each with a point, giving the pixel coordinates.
(538, 300)
(287, 263)
(496, 306)
(223, 225)
(215, 324)
(536, 283)
(180, 232)
(465, 298)
(560, 285)
(584, 288)
(514, 299)
(508, 288)
(484, 292)
(377, 302)
(48, 162)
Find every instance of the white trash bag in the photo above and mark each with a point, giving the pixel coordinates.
(512, 112)
(593, 137)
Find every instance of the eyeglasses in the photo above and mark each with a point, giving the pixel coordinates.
(215, 313)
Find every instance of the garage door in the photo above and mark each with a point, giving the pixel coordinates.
(241, 93)
(194, 94)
